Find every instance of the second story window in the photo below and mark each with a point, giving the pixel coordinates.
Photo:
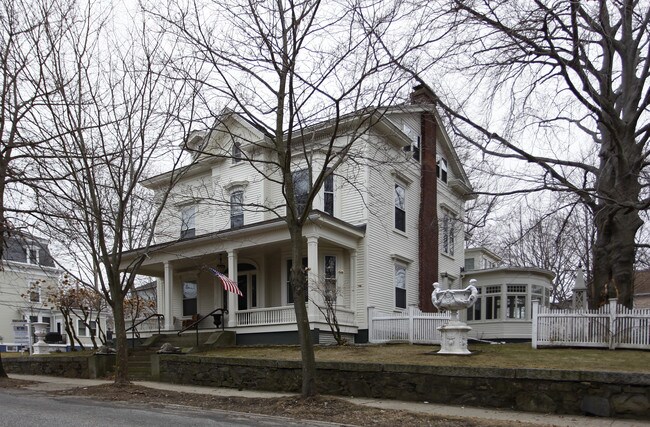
(34, 292)
(328, 194)
(188, 220)
(236, 209)
(400, 208)
(448, 233)
(301, 189)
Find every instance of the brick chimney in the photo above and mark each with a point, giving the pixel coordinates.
(428, 216)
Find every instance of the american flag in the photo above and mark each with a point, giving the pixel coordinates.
(228, 284)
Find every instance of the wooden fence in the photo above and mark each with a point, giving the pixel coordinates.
(611, 326)
(411, 326)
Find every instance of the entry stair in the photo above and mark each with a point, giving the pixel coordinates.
(140, 356)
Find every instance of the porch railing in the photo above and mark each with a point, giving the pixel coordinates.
(266, 316)
(285, 315)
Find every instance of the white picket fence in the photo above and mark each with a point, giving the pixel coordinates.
(411, 326)
(611, 326)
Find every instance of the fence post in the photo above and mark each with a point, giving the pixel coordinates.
(371, 313)
(411, 313)
(613, 333)
(533, 334)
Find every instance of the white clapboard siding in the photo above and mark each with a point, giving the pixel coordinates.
(611, 326)
(411, 326)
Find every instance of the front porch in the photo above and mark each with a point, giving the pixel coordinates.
(257, 259)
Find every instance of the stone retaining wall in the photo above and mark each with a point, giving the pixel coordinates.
(95, 366)
(536, 390)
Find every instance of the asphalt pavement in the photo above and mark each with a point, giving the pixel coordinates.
(46, 383)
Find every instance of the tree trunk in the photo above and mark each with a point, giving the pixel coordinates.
(121, 345)
(3, 374)
(300, 285)
(614, 252)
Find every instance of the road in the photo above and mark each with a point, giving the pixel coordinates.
(27, 408)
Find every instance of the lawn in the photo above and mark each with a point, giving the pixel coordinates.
(485, 355)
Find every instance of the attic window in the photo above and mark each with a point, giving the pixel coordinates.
(237, 155)
(441, 169)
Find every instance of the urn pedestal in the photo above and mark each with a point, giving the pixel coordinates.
(454, 338)
(40, 330)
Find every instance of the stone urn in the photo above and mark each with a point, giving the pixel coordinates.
(40, 330)
(454, 333)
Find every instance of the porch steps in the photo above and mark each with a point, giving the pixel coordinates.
(140, 365)
(188, 341)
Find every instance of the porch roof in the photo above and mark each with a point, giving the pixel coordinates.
(269, 232)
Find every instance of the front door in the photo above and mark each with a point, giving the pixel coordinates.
(247, 283)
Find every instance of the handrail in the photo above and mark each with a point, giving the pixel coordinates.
(214, 314)
(134, 331)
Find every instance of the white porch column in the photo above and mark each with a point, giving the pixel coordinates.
(167, 296)
(313, 276)
(232, 297)
(353, 282)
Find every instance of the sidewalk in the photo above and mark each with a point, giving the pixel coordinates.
(57, 383)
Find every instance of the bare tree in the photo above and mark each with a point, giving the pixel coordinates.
(287, 67)
(538, 76)
(112, 117)
(23, 50)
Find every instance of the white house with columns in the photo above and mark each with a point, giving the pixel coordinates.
(383, 228)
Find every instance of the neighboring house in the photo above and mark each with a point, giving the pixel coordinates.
(380, 233)
(28, 271)
(480, 258)
(642, 289)
(506, 294)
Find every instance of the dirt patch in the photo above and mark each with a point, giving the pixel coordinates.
(318, 408)
(14, 383)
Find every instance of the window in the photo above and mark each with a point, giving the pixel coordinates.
(400, 286)
(289, 287)
(93, 328)
(190, 292)
(416, 148)
(516, 304)
(469, 264)
(237, 154)
(474, 312)
(188, 218)
(493, 302)
(441, 169)
(34, 292)
(236, 209)
(301, 189)
(400, 208)
(81, 327)
(328, 190)
(448, 232)
(330, 278)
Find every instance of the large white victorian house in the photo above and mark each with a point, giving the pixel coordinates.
(381, 232)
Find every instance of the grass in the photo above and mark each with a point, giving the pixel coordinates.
(484, 355)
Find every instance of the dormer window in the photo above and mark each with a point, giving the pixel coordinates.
(31, 255)
(441, 169)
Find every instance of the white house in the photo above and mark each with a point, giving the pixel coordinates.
(28, 270)
(384, 227)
